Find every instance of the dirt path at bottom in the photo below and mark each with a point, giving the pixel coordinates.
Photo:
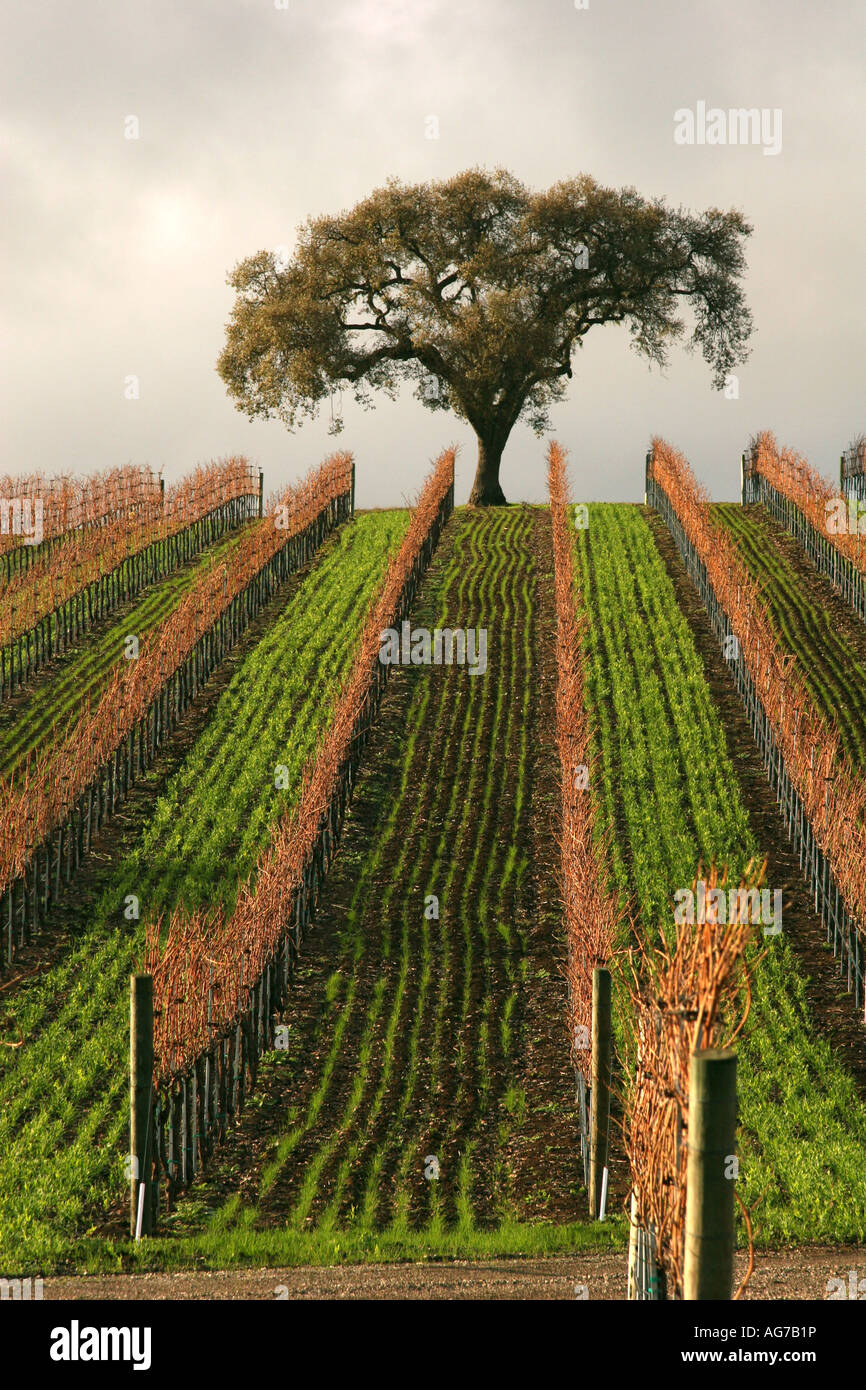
(785, 1274)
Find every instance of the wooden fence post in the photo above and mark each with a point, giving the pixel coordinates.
(709, 1238)
(140, 1097)
(743, 479)
(600, 1108)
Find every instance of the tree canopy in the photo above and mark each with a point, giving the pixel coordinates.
(480, 291)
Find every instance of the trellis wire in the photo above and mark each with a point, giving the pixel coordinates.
(75, 576)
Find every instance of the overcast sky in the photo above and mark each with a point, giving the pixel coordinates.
(252, 117)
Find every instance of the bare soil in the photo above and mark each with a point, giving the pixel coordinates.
(789, 1274)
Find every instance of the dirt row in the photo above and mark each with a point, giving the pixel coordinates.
(790, 1274)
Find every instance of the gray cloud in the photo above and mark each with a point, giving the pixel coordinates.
(253, 118)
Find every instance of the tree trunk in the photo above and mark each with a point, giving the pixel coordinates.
(486, 491)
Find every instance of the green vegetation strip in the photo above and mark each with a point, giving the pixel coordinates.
(412, 1022)
(64, 1116)
(833, 671)
(59, 692)
(670, 789)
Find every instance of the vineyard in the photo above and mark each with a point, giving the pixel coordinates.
(671, 792)
(207, 827)
(391, 815)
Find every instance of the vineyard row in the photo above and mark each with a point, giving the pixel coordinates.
(591, 910)
(821, 797)
(217, 983)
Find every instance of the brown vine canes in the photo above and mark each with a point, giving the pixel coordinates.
(689, 992)
(591, 909)
(77, 770)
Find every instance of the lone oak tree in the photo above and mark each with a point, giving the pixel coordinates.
(480, 291)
